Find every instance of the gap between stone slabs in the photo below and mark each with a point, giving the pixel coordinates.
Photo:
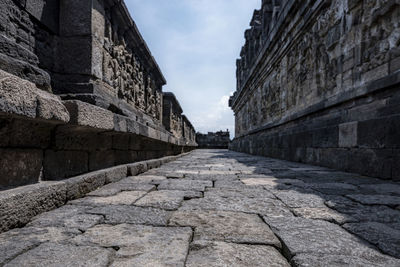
(19, 205)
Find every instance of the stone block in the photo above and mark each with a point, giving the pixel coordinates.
(325, 137)
(121, 142)
(396, 165)
(23, 98)
(125, 157)
(63, 164)
(394, 65)
(375, 74)
(101, 159)
(47, 12)
(18, 206)
(25, 133)
(380, 133)
(84, 114)
(75, 17)
(371, 162)
(137, 168)
(154, 163)
(348, 134)
(78, 187)
(20, 166)
(75, 55)
(116, 173)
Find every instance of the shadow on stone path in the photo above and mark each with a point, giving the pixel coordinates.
(219, 208)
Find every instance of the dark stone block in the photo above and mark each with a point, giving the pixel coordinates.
(75, 55)
(326, 137)
(371, 162)
(125, 157)
(63, 164)
(75, 17)
(101, 159)
(46, 11)
(121, 142)
(396, 165)
(380, 133)
(20, 166)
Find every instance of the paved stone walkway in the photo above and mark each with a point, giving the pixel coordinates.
(219, 208)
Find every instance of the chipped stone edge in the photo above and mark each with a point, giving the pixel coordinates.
(18, 213)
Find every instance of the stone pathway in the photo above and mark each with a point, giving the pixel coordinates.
(219, 208)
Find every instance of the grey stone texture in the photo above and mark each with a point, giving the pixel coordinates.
(267, 217)
(210, 140)
(327, 98)
(78, 95)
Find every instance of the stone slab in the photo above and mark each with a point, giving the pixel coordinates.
(118, 214)
(381, 235)
(233, 227)
(18, 206)
(319, 237)
(53, 254)
(205, 253)
(141, 245)
(123, 198)
(165, 199)
(376, 199)
(67, 216)
(17, 241)
(185, 185)
(21, 97)
(115, 188)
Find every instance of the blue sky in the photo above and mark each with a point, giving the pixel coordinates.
(196, 43)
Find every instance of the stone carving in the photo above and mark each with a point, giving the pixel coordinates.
(300, 75)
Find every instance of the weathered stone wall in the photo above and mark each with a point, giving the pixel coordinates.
(79, 91)
(318, 82)
(172, 113)
(219, 140)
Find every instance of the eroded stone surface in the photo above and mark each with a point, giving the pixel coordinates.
(141, 245)
(205, 253)
(54, 255)
(123, 198)
(173, 184)
(130, 214)
(163, 199)
(226, 226)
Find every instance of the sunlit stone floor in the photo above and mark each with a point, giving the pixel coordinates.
(219, 208)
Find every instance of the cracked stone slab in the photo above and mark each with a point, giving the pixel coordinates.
(272, 182)
(334, 188)
(141, 245)
(68, 216)
(184, 185)
(258, 193)
(149, 179)
(17, 241)
(226, 226)
(324, 213)
(118, 214)
(381, 235)
(264, 206)
(376, 199)
(321, 260)
(295, 199)
(364, 213)
(123, 198)
(55, 255)
(205, 253)
(319, 237)
(383, 188)
(166, 199)
(115, 188)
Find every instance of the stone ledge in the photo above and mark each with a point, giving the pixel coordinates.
(19, 205)
(20, 97)
(91, 117)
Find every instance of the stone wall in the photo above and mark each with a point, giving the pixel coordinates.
(318, 82)
(79, 91)
(218, 140)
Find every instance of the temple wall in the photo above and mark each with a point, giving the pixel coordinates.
(318, 82)
(79, 91)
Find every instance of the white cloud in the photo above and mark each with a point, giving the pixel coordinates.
(196, 43)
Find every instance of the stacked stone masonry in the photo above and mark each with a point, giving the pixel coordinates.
(79, 91)
(219, 140)
(318, 82)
